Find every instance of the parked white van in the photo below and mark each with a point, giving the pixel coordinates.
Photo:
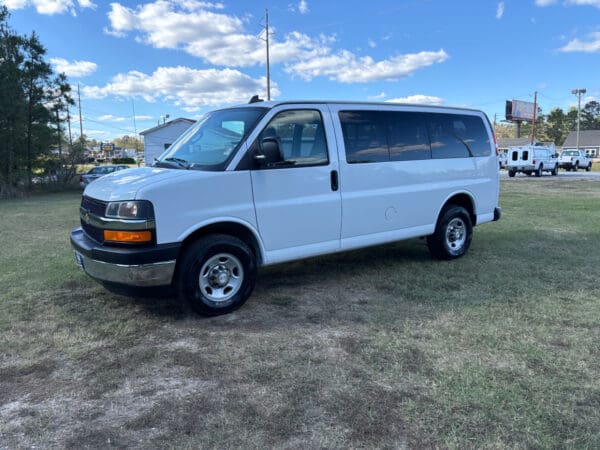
(270, 182)
(530, 159)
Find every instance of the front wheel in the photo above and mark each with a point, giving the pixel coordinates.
(511, 173)
(589, 167)
(575, 166)
(554, 171)
(453, 233)
(216, 275)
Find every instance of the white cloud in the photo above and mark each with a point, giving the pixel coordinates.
(49, 7)
(144, 118)
(577, 45)
(372, 43)
(346, 67)
(303, 7)
(222, 40)
(419, 99)
(500, 10)
(73, 69)
(197, 29)
(96, 133)
(545, 2)
(187, 88)
(379, 96)
(111, 118)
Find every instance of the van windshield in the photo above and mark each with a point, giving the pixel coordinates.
(211, 143)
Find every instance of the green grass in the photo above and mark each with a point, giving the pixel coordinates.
(382, 347)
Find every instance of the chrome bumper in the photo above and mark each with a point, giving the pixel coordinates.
(155, 274)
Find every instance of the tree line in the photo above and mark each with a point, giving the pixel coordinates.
(34, 115)
(556, 125)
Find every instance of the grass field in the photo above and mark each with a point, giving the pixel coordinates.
(382, 347)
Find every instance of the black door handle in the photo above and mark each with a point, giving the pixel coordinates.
(334, 180)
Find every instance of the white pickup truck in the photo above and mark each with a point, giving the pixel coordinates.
(530, 159)
(574, 159)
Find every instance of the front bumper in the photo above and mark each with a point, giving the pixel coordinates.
(128, 266)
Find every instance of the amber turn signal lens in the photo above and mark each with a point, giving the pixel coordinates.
(127, 236)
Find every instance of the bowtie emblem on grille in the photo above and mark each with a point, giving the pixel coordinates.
(86, 217)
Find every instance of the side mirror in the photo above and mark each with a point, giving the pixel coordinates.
(269, 152)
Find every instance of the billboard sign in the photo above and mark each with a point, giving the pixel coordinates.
(107, 147)
(522, 110)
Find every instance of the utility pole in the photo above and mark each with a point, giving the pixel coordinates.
(134, 127)
(534, 117)
(59, 137)
(268, 59)
(80, 119)
(578, 93)
(70, 136)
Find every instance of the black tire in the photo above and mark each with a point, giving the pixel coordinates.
(229, 277)
(511, 173)
(575, 166)
(554, 171)
(538, 172)
(453, 233)
(589, 167)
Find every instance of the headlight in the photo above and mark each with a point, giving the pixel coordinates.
(132, 209)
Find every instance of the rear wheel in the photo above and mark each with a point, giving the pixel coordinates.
(453, 233)
(589, 167)
(216, 275)
(538, 172)
(511, 173)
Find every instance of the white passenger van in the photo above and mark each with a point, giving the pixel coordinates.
(270, 182)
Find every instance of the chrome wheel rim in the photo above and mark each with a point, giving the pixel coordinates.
(456, 234)
(221, 277)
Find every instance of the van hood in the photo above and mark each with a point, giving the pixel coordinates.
(124, 184)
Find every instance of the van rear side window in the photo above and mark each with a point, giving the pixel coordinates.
(457, 136)
(378, 136)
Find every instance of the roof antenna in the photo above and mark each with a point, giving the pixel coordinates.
(255, 99)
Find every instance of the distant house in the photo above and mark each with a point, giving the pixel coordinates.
(159, 138)
(589, 140)
(505, 143)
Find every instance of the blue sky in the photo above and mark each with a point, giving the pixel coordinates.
(184, 57)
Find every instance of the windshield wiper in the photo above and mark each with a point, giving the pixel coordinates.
(182, 162)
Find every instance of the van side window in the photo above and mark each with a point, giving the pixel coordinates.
(301, 138)
(457, 136)
(364, 136)
(407, 136)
